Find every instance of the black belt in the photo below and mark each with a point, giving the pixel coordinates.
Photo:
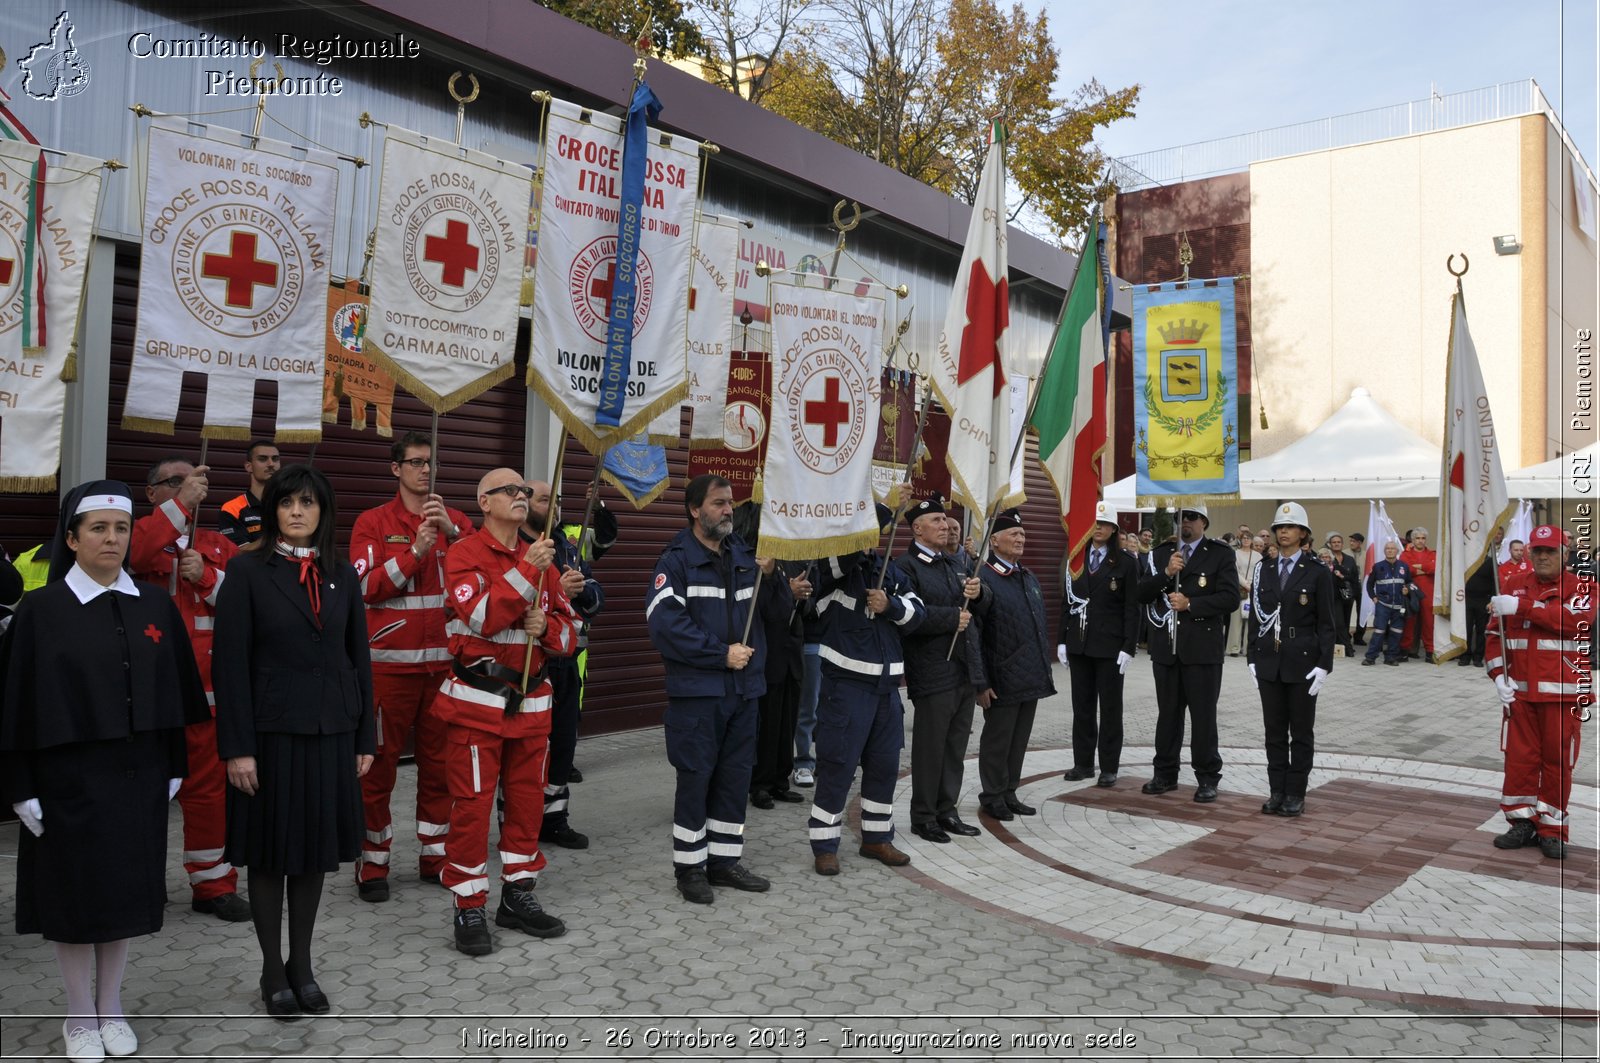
(494, 678)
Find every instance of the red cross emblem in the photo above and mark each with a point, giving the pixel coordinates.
(600, 287)
(240, 268)
(453, 251)
(831, 412)
(9, 264)
(988, 313)
(153, 633)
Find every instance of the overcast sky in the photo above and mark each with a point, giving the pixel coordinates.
(1225, 67)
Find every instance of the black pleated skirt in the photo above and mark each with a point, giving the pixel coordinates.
(306, 815)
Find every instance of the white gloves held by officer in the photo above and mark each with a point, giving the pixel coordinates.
(1123, 660)
(1503, 605)
(1061, 653)
(1253, 678)
(1317, 677)
(172, 788)
(1506, 689)
(31, 815)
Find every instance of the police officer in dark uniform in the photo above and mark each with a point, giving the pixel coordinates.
(1099, 636)
(1188, 588)
(1296, 611)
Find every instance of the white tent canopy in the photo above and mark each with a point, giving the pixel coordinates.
(1555, 478)
(1359, 452)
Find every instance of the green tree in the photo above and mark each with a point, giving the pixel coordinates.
(672, 31)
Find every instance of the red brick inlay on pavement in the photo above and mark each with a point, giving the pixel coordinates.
(1357, 842)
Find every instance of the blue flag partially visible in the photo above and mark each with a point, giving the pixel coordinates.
(619, 329)
(637, 468)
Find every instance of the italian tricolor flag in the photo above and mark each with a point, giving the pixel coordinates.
(1070, 416)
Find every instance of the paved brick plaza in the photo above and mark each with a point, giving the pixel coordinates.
(1380, 925)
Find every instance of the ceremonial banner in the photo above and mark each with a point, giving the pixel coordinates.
(1380, 529)
(1186, 393)
(1517, 530)
(897, 430)
(637, 468)
(972, 363)
(576, 367)
(350, 374)
(1070, 415)
(1473, 504)
(817, 496)
(47, 211)
(233, 282)
(447, 268)
(711, 323)
(744, 429)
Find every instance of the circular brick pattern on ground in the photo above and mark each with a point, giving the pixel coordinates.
(1388, 887)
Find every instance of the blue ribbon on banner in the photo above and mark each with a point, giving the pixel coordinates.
(638, 465)
(619, 325)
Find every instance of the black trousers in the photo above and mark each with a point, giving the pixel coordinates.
(1289, 716)
(940, 727)
(1096, 684)
(1477, 626)
(780, 710)
(1002, 747)
(1191, 689)
(566, 685)
(1341, 634)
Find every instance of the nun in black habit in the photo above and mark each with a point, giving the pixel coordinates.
(98, 681)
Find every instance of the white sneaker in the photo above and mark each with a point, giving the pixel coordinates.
(83, 1043)
(805, 777)
(118, 1037)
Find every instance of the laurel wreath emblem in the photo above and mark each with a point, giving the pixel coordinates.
(1185, 426)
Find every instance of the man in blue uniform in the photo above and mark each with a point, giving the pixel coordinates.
(862, 611)
(1386, 586)
(700, 596)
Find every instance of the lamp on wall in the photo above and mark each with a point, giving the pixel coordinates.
(1507, 245)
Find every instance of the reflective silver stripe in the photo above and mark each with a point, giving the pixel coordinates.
(1562, 688)
(684, 834)
(174, 514)
(515, 858)
(1565, 645)
(518, 876)
(828, 653)
(833, 567)
(691, 856)
(433, 849)
(378, 837)
(1508, 799)
(876, 808)
(211, 698)
(706, 592)
(520, 584)
(511, 636)
(1516, 644)
(410, 656)
(211, 599)
(477, 883)
(1520, 813)
(201, 856)
(847, 600)
(477, 779)
(479, 613)
(391, 568)
(825, 817)
(822, 834)
(722, 826)
(1494, 662)
(375, 856)
(205, 623)
(209, 873)
(538, 704)
(727, 848)
(557, 805)
(908, 612)
(412, 601)
(744, 593)
(431, 830)
(1519, 685)
(665, 592)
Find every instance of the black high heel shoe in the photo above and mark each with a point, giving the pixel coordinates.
(282, 1005)
(311, 998)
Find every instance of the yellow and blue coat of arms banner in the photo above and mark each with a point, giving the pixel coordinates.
(1186, 392)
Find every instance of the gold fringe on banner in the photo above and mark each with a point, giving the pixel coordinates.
(588, 435)
(29, 485)
(148, 424)
(638, 503)
(226, 431)
(69, 369)
(33, 352)
(811, 549)
(298, 435)
(1179, 501)
(426, 395)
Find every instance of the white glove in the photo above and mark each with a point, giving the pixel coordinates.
(1503, 605)
(1253, 678)
(1505, 688)
(31, 814)
(172, 788)
(1061, 653)
(1123, 660)
(1317, 676)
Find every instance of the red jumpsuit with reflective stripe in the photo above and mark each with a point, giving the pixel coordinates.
(151, 555)
(406, 614)
(1424, 564)
(1545, 650)
(490, 588)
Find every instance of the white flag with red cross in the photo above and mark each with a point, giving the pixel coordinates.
(233, 281)
(447, 267)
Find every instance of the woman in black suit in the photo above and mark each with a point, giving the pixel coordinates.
(294, 722)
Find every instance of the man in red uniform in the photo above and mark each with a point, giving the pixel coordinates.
(1540, 665)
(399, 549)
(509, 614)
(169, 551)
(1517, 563)
(1424, 563)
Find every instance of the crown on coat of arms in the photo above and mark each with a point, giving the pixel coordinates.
(1182, 331)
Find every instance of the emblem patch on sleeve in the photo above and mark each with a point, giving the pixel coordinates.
(661, 580)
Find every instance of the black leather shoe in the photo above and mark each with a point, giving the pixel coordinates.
(739, 877)
(472, 932)
(281, 1005)
(951, 823)
(373, 890)
(519, 911)
(1158, 786)
(311, 998)
(1272, 805)
(761, 799)
(1394, 661)
(788, 796)
(1553, 848)
(1000, 812)
(1076, 774)
(695, 888)
(229, 907)
(1522, 833)
(564, 837)
(1019, 808)
(574, 775)
(1292, 806)
(930, 832)
(430, 877)
(1366, 661)
(1205, 793)
(1107, 780)
(1463, 661)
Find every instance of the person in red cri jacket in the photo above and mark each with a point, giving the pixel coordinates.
(1424, 564)
(398, 550)
(1516, 563)
(171, 551)
(509, 615)
(1538, 657)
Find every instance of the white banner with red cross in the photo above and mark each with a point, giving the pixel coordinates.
(47, 211)
(711, 324)
(447, 267)
(817, 496)
(577, 262)
(233, 281)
